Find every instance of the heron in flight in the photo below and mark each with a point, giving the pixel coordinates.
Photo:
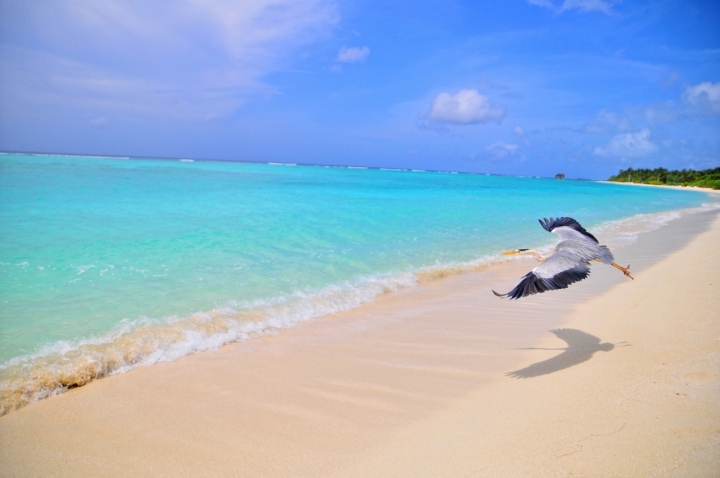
(568, 263)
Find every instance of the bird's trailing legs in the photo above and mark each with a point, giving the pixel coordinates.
(625, 270)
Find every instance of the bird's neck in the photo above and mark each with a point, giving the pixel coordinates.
(537, 255)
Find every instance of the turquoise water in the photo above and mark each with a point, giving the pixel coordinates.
(148, 260)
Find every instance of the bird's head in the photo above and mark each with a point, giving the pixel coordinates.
(527, 252)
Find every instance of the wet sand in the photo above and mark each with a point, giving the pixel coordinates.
(610, 377)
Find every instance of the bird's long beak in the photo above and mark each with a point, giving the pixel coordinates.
(510, 253)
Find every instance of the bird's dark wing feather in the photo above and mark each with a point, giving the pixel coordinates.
(538, 281)
(550, 224)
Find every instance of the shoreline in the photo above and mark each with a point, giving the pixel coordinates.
(668, 186)
(98, 358)
(342, 389)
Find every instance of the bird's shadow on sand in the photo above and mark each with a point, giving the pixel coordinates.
(581, 347)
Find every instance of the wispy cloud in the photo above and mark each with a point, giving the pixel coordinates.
(465, 107)
(502, 150)
(352, 55)
(520, 131)
(696, 102)
(190, 58)
(607, 121)
(628, 145)
(604, 6)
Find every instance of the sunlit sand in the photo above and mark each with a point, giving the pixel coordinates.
(610, 377)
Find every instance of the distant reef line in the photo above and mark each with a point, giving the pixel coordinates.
(706, 178)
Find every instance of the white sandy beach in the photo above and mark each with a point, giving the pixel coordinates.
(441, 380)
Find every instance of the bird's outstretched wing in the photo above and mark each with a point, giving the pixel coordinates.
(550, 224)
(558, 272)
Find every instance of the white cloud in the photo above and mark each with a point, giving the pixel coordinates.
(696, 101)
(604, 6)
(466, 107)
(628, 145)
(705, 96)
(183, 29)
(351, 55)
(501, 149)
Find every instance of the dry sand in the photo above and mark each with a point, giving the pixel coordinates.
(421, 383)
(668, 186)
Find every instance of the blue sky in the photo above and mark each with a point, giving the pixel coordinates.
(530, 87)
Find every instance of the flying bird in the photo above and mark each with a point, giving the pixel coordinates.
(567, 264)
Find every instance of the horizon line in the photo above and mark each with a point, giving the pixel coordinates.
(281, 163)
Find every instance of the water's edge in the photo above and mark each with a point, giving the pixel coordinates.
(132, 344)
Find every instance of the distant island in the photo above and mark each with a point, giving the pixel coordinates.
(707, 178)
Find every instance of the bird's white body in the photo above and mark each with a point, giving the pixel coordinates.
(569, 262)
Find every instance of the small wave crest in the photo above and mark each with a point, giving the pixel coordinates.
(66, 365)
(625, 231)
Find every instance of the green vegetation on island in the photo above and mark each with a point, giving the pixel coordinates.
(707, 178)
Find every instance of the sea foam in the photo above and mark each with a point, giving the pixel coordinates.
(131, 344)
